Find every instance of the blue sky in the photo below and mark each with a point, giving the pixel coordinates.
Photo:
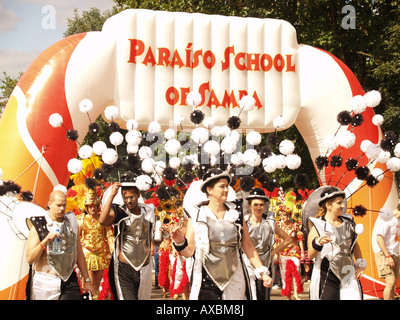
(27, 27)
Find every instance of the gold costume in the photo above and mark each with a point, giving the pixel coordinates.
(96, 241)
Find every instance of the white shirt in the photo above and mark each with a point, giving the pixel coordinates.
(390, 231)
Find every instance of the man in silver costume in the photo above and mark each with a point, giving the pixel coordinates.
(130, 271)
(52, 275)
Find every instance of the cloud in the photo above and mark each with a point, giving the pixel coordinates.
(13, 61)
(9, 19)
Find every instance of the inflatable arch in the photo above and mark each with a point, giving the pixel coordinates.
(145, 63)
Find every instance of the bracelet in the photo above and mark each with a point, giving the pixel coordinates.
(181, 246)
(316, 246)
(43, 247)
(389, 256)
(361, 263)
(260, 271)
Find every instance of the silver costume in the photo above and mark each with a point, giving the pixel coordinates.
(339, 253)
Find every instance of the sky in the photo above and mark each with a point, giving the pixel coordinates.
(28, 27)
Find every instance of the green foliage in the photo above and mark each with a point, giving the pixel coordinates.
(7, 85)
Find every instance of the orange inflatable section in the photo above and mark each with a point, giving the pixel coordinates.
(20, 156)
(16, 291)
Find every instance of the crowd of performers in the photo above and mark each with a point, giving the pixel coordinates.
(213, 248)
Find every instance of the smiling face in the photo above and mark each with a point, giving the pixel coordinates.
(218, 190)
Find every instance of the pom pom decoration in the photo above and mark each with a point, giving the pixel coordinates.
(330, 142)
(321, 162)
(359, 211)
(154, 127)
(272, 139)
(270, 164)
(85, 152)
(251, 157)
(99, 147)
(279, 122)
(228, 145)
(133, 137)
(247, 103)
(286, 147)
(357, 120)
(359, 228)
(293, 161)
(301, 180)
(143, 182)
(196, 117)
(377, 120)
(373, 151)
(364, 145)
(386, 214)
(56, 120)
(346, 139)
(116, 138)
(132, 124)
(358, 104)
(234, 122)
(254, 138)
(111, 113)
(199, 135)
(344, 118)
(172, 147)
(170, 134)
(85, 105)
(94, 128)
(377, 173)
(174, 162)
(148, 165)
(397, 150)
(110, 156)
(383, 157)
(336, 161)
(193, 99)
(114, 127)
(145, 152)
(371, 181)
(211, 147)
(72, 134)
(75, 166)
(372, 98)
(362, 173)
(351, 164)
(393, 164)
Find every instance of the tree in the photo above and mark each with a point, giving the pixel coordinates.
(7, 85)
(91, 20)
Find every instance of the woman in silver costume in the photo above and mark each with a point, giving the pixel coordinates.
(262, 230)
(332, 241)
(216, 237)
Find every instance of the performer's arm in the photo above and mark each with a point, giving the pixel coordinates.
(35, 247)
(107, 215)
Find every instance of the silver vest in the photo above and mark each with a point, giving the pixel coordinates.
(339, 251)
(136, 241)
(221, 260)
(342, 262)
(64, 261)
(263, 237)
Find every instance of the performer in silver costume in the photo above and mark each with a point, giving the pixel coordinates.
(52, 275)
(131, 266)
(262, 230)
(216, 237)
(332, 241)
